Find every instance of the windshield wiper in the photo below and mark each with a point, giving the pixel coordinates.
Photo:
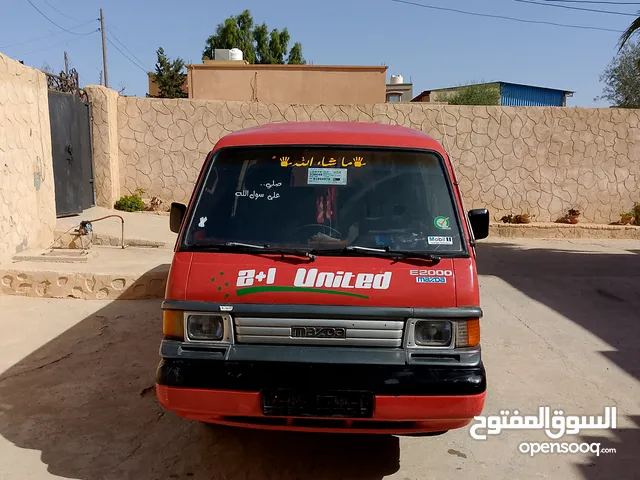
(250, 248)
(384, 252)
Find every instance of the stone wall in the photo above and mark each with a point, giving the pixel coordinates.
(104, 111)
(540, 161)
(27, 201)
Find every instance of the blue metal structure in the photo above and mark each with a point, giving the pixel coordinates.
(514, 95)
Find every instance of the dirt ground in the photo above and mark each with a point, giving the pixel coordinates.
(561, 328)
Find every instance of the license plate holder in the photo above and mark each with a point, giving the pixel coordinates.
(324, 404)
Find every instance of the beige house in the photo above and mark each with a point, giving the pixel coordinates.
(238, 80)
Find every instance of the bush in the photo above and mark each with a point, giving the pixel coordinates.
(130, 203)
(636, 213)
(478, 94)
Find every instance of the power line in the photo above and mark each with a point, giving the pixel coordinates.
(110, 32)
(591, 1)
(502, 17)
(61, 28)
(126, 56)
(66, 42)
(61, 13)
(547, 4)
(49, 36)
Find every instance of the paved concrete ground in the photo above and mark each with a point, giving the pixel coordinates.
(561, 329)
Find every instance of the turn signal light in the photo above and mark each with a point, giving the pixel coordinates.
(468, 333)
(173, 324)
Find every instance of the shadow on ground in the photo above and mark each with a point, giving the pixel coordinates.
(86, 400)
(597, 291)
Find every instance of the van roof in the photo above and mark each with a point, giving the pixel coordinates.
(330, 133)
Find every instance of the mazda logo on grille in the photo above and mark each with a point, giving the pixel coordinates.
(318, 332)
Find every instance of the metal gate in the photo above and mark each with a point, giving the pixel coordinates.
(70, 119)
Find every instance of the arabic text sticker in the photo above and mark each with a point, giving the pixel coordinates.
(440, 240)
(327, 176)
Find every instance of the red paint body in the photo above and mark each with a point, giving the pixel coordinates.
(413, 413)
(193, 275)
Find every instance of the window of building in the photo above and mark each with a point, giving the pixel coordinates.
(393, 97)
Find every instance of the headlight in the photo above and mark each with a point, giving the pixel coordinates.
(431, 333)
(203, 327)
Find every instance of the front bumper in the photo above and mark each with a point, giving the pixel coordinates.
(406, 399)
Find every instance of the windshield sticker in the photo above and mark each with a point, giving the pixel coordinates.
(203, 220)
(442, 223)
(327, 176)
(440, 240)
(271, 185)
(323, 162)
(256, 195)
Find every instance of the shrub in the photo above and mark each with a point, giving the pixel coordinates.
(130, 203)
(636, 213)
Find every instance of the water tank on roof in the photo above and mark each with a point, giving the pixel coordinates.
(396, 79)
(235, 54)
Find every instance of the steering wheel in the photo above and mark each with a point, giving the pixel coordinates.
(327, 227)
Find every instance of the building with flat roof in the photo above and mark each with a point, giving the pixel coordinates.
(325, 84)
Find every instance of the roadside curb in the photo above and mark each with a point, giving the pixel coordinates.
(85, 286)
(71, 240)
(103, 273)
(560, 230)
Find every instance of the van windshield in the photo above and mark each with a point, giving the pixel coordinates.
(324, 198)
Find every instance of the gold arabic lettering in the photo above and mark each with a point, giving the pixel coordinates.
(329, 162)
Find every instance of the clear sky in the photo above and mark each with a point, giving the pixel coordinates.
(432, 48)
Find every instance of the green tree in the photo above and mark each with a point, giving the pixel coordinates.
(169, 76)
(629, 32)
(295, 55)
(479, 94)
(258, 44)
(234, 32)
(622, 78)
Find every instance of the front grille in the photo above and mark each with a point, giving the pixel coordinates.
(313, 331)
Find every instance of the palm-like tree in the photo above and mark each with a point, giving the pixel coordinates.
(629, 32)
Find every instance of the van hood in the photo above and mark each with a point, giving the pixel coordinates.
(354, 281)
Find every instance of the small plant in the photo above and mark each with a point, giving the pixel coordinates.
(155, 204)
(523, 218)
(508, 219)
(636, 213)
(130, 203)
(626, 217)
(572, 215)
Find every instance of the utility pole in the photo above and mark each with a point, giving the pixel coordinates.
(66, 64)
(104, 49)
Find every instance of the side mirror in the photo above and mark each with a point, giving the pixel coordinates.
(479, 220)
(178, 211)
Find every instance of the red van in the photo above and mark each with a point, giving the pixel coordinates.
(324, 279)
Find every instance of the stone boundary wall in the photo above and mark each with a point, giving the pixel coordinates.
(536, 160)
(27, 198)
